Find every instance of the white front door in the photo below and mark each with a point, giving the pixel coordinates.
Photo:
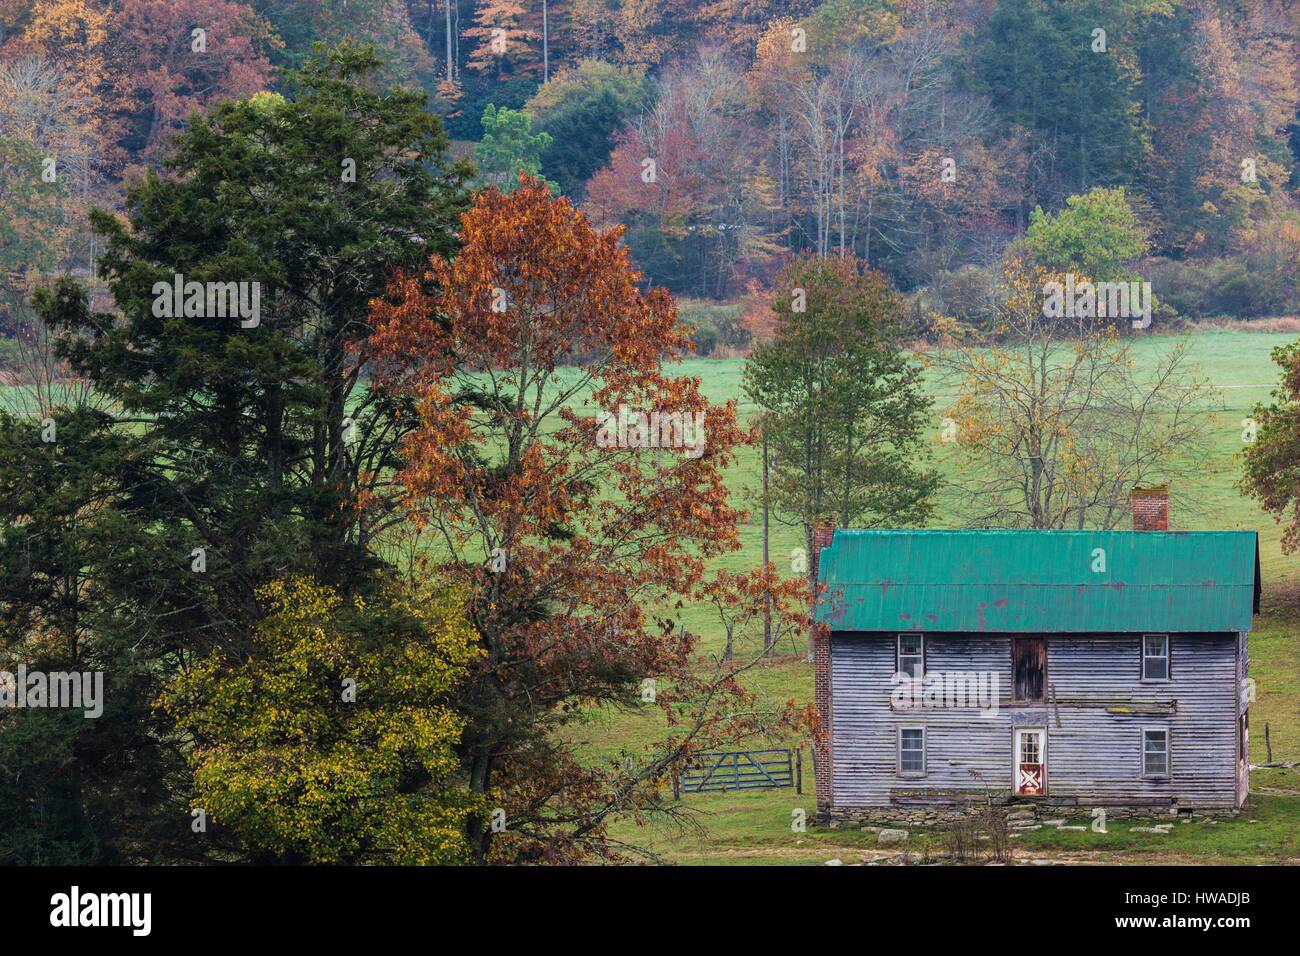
(1030, 770)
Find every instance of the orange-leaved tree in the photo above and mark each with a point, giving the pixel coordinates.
(574, 489)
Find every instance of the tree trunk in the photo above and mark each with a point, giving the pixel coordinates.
(450, 59)
(808, 537)
(848, 477)
(478, 830)
(767, 600)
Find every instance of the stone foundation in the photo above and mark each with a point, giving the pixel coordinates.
(940, 815)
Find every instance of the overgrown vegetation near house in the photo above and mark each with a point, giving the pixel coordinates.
(755, 828)
(489, 242)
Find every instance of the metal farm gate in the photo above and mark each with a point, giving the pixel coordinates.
(741, 770)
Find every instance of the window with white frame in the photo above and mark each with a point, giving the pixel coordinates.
(1155, 753)
(911, 751)
(1155, 657)
(911, 655)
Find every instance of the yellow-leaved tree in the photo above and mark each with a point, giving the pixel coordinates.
(329, 740)
(1058, 417)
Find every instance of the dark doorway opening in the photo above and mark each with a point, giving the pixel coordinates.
(1029, 662)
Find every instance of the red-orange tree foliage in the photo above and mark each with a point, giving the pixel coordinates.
(574, 556)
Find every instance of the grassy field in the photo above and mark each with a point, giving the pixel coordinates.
(755, 827)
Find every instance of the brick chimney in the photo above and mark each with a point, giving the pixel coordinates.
(823, 534)
(1150, 508)
(820, 651)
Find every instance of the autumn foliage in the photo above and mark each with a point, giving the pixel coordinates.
(327, 746)
(566, 549)
(1270, 472)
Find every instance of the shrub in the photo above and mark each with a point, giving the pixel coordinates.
(718, 326)
(1233, 287)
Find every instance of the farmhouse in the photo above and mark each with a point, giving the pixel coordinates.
(1068, 669)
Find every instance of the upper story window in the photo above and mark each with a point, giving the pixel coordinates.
(1029, 668)
(1155, 657)
(911, 655)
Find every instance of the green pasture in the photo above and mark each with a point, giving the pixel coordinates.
(755, 827)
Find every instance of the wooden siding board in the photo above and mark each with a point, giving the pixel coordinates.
(1094, 756)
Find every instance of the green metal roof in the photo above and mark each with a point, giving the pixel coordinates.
(1039, 581)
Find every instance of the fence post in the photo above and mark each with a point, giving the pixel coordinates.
(1268, 744)
(677, 781)
(798, 770)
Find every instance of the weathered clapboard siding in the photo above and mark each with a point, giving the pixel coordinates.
(962, 750)
(1094, 756)
(1243, 710)
(1243, 668)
